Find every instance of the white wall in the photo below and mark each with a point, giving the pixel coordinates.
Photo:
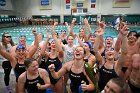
(28, 8)
(7, 9)
(7, 5)
(22, 7)
(106, 8)
(31, 7)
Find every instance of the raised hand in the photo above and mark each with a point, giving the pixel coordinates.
(102, 24)
(85, 21)
(66, 23)
(100, 29)
(48, 35)
(38, 85)
(124, 30)
(51, 67)
(55, 23)
(73, 20)
(34, 32)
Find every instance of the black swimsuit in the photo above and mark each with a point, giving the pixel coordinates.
(76, 80)
(58, 65)
(105, 76)
(19, 69)
(31, 85)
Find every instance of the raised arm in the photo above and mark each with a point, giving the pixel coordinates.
(124, 50)
(81, 43)
(119, 39)
(96, 50)
(99, 39)
(7, 55)
(58, 44)
(88, 27)
(60, 73)
(45, 77)
(34, 47)
(43, 49)
(71, 27)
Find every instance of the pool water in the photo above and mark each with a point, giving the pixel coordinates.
(27, 30)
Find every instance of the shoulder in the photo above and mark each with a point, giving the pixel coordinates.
(92, 57)
(28, 46)
(22, 77)
(14, 47)
(42, 72)
(68, 65)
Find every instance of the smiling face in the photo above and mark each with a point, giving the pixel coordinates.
(81, 32)
(22, 40)
(132, 37)
(109, 41)
(33, 67)
(21, 53)
(92, 38)
(40, 36)
(70, 40)
(109, 53)
(6, 37)
(53, 46)
(111, 87)
(79, 53)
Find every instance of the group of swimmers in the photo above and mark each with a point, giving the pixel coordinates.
(60, 65)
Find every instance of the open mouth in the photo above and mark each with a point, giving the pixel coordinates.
(110, 54)
(108, 43)
(77, 54)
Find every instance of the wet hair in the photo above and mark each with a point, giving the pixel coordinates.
(28, 61)
(121, 83)
(3, 40)
(133, 32)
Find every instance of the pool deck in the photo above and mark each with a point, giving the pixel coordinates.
(12, 81)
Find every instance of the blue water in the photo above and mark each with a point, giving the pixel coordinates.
(27, 30)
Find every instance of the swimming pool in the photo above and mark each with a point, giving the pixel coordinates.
(27, 30)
